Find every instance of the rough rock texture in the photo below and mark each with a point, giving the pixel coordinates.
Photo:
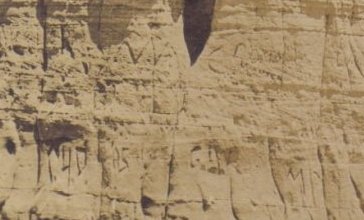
(194, 110)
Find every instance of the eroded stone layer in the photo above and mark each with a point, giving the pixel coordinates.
(102, 115)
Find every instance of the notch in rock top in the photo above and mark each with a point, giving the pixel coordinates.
(197, 19)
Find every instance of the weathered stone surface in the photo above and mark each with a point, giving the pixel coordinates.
(181, 109)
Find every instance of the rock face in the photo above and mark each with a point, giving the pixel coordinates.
(182, 110)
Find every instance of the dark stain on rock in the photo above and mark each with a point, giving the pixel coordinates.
(50, 135)
(51, 96)
(108, 20)
(18, 50)
(205, 205)
(29, 109)
(23, 125)
(146, 202)
(10, 146)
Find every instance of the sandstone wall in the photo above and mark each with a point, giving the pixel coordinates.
(156, 109)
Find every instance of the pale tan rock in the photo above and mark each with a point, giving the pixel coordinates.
(142, 109)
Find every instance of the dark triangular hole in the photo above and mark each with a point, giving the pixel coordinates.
(197, 19)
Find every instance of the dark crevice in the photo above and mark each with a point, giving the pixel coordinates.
(10, 146)
(205, 205)
(65, 44)
(85, 68)
(146, 202)
(39, 147)
(69, 170)
(197, 19)
(19, 50)
(50, 171)
(169, 186)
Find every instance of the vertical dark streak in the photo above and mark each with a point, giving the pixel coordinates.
(86, 155)
(2, 204)
(10, 146)
(85, 68)
(78, 163)
(50, 170)
(42, 18)
(62, 38)
(39, 147)
(65, 44)
(169, 186)
(69, 166)
(63, 155)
